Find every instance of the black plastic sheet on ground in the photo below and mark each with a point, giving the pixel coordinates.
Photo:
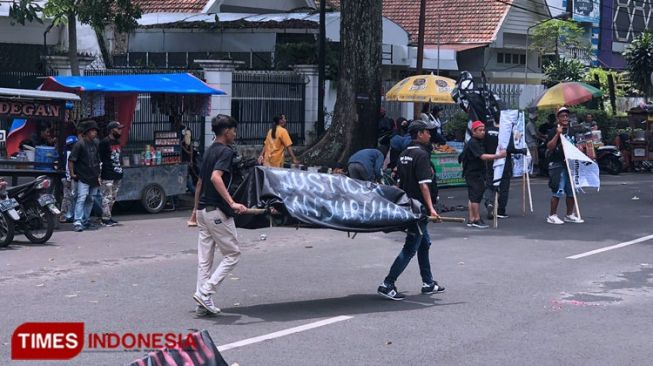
(325, 200)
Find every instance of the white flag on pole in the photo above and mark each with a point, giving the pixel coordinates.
(508, 118)
(520, 162)
(584, 171)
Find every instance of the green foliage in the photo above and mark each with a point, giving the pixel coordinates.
(25, 11)
(639, 56)
(562, 69)
(97, 13)
(306, 53)
(603, 81)
(457, 125)
(552, 35)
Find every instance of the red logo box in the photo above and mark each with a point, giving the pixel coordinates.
(47, 341)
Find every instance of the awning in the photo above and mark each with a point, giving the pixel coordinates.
(140, 83)
(36, 94)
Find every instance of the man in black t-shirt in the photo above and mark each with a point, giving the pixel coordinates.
(215, 210)
(474, 171)
(111, 171)
(559, 181)
(84, 166)
(415, 175)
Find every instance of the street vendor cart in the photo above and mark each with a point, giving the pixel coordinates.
(24, 155)
(154, 172)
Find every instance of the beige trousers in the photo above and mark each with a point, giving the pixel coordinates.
(216, 230)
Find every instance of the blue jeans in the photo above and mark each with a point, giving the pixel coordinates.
(417, 241)
(84, 202)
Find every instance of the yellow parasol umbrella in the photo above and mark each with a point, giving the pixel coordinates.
(422, 88)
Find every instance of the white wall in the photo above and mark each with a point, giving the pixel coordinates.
(30, 33)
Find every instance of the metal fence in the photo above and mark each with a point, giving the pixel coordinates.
(509, 94)
(146, 121)
(23, 79)
(258, 96)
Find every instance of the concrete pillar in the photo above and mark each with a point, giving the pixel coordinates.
(60, 64)
(310, 73)
(218, 74)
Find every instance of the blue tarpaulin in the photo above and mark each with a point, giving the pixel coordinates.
(143, 83)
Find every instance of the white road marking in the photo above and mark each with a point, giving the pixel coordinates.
(282, 333)
(605, 249)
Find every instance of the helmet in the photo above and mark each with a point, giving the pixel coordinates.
(71, 140)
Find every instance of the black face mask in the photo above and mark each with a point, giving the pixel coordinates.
(116, 135)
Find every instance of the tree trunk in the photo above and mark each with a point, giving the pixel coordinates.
(72, 44)
(354, 124)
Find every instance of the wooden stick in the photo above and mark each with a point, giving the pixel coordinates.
(530, 195)
(496, 209)
(255, 211)
(447, 219)
(523, 193)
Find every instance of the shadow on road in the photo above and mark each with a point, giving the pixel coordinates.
(323, 308)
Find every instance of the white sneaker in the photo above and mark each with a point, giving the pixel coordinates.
(206, 301)
(574, 219)
(554, 219)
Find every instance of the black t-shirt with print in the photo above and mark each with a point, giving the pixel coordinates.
(217, 157)
(472, 163)
(557, 155)
(110, 158)
(86, 162)
(414, 168)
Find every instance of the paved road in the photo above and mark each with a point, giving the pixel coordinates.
(513, 297)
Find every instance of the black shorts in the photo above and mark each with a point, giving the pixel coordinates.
(475, 188)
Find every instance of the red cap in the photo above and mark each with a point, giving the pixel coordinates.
(477, 124)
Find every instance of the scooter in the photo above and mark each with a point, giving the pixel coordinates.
(8, 215)
(36, 209)
(609, 159)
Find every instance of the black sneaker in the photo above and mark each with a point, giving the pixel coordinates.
(502, 216)
(114, 222)
(78, 228)
(432, 288)
(490, 211)
(390, 292)
(480, 224)
(108, 223)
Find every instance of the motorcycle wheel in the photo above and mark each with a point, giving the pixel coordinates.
(612, 165)
(39, 225)
(7, 230)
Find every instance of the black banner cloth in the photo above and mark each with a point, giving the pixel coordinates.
(325, 200)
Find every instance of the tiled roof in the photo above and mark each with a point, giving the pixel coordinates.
(469, 21)
(330, 4)
(171, 6)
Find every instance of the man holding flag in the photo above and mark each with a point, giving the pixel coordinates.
(559, 180)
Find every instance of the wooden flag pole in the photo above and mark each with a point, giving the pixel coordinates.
(523, 193)
(530, 195)
(496, 209)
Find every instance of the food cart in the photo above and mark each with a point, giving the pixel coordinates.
(21, 111)
(153, 173)
(641, 119)
(448, 171)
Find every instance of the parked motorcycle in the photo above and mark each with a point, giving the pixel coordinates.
(609, 159)
(8, 215)
(36, 209)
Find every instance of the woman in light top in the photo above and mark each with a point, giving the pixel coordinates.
(276, 142)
